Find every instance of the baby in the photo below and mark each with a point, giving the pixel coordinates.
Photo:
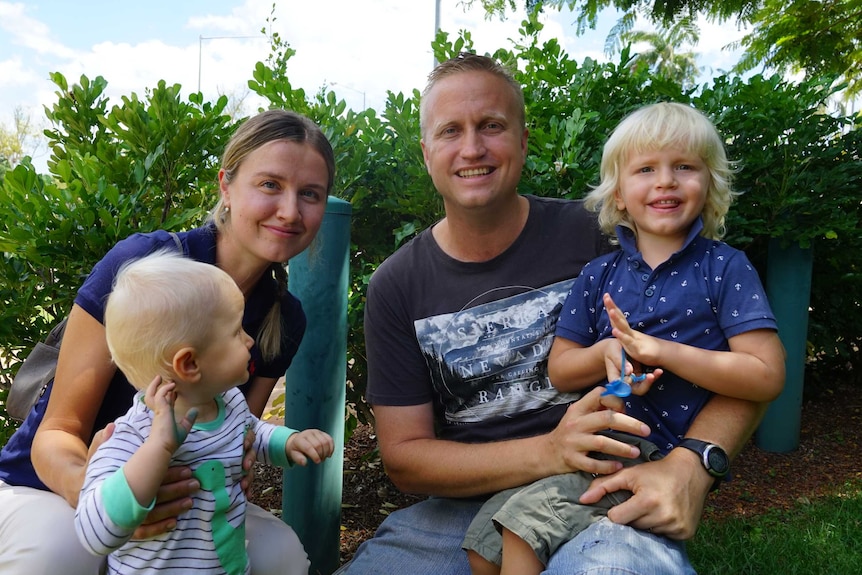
(174, 327)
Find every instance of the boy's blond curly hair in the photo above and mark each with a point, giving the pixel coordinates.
(655, 127)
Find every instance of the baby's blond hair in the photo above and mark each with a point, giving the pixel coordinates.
(159, 304)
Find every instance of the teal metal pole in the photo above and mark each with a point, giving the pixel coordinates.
(315, 387)
(788, 285)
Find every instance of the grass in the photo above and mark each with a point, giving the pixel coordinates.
(822, 537)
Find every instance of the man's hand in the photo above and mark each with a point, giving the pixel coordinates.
(575, 435)
(668, 499)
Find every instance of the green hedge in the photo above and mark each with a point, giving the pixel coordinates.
(152, 163)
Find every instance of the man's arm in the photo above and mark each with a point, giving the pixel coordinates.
(418, 462)
(727, 422)
(669, 494)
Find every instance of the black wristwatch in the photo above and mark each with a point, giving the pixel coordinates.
(714, 458)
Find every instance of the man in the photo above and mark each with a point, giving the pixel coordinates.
(459, 323)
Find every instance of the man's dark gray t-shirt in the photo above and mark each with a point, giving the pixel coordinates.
(473, 338)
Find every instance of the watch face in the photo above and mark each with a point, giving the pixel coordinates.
(717, 460)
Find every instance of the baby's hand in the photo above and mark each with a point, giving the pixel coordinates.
(312, 443)
(160, 397)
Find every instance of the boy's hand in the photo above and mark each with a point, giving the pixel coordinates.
(638, 348)
(310, 443)
(612, 402)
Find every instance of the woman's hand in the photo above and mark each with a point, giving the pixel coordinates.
(99, 438)
(248, 459)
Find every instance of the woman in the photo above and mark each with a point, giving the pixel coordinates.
(276, 174)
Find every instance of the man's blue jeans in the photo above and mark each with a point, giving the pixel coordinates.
(425, 539)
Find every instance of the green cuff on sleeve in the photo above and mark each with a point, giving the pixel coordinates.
(120, 503)
(278, 446)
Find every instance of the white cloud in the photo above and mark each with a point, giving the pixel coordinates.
(370, 47)
(29, 33)
(13, 73)
(714, 46)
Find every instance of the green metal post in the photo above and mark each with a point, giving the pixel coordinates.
(788, 285)
(315, 387)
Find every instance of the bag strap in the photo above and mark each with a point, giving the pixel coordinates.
(178, 242)
(56, 334)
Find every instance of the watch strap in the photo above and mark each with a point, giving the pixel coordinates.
(703, 449)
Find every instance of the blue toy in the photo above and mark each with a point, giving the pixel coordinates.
(620, 387)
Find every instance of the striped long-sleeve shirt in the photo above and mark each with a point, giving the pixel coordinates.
(210, 537)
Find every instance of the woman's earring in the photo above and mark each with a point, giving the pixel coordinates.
(227, 209)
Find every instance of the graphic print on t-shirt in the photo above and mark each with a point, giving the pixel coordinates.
(491, 360)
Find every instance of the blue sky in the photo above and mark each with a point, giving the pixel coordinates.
(361, 48)
(131, 22)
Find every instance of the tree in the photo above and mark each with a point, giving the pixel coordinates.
(659, 12)
(664, 57)
(817, 37)
(21, 140)
(144, 164)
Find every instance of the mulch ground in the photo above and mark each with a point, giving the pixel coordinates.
(827, 457)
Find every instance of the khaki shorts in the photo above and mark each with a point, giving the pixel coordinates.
(547, 513)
